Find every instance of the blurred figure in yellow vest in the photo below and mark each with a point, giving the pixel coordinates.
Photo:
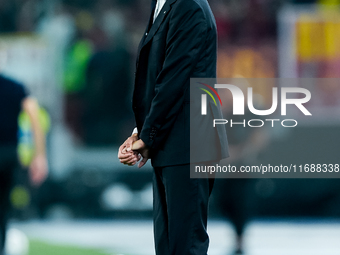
(13, 99)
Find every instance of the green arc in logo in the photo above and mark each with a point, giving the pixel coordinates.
(209, 95)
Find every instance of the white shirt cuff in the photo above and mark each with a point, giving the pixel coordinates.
(135, 131)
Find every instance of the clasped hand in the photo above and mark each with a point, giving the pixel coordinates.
(132, 151)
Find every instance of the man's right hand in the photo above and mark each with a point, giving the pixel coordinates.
(126, 155)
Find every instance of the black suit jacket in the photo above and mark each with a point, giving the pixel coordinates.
(179, 45)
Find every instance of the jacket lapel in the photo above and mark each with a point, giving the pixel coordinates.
(162, 14)
(153, 7)
(153, 26)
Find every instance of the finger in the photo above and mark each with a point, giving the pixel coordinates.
(143, 162)
(131, 163)
(122, 147)
(124, 161)
(121, 150)
(128, 156)
(125, 156)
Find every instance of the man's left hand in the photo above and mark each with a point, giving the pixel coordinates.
(140, 146)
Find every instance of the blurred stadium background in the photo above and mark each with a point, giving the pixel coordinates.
(77, 58)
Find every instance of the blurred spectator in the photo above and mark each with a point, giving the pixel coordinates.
(97, 77)
(13, 98)
(77, 60)
(234, 196)
(108, 78)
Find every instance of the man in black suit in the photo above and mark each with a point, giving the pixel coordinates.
(178, 44)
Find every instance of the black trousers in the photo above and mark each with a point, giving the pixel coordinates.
(180, 211)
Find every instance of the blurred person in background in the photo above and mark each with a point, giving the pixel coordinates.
(180, 42)
(14, 99)
(97, 74)
(235, 196)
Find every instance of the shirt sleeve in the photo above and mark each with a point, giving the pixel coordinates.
(135, 131)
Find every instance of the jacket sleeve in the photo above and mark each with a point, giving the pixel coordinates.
(184, 45)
